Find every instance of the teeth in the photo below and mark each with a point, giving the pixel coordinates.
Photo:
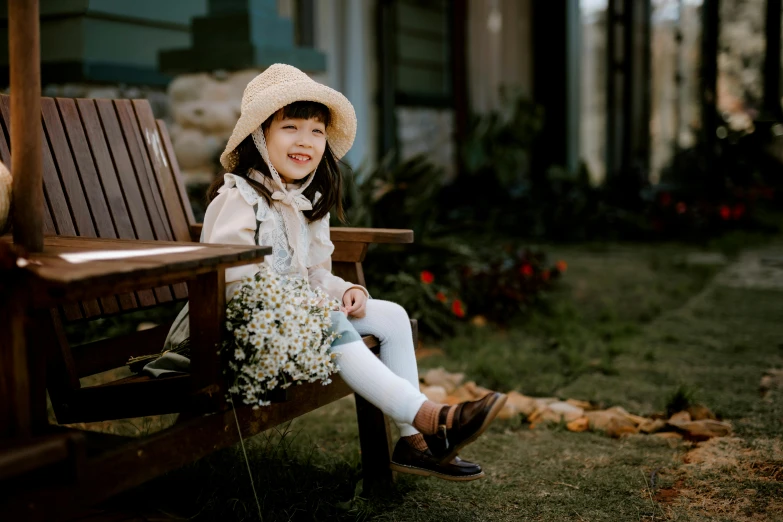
(300, 158)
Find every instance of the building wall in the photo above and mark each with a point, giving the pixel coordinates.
(499, 51)
(345, 32)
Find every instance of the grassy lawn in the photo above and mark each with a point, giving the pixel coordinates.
(628, 325)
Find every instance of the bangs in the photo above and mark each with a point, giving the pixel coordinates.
(306, 110)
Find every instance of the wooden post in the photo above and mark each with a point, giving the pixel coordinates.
(26, 151)
(14, 375)
(207, 298)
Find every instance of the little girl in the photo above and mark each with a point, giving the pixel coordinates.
(282, 180)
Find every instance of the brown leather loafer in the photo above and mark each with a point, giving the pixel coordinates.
(470, 421)
(407, 459)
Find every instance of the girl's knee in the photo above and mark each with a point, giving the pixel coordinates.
(388, 309)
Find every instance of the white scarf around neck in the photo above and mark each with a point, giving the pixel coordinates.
(291, 202)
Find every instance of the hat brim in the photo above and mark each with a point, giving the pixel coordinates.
(342, 126)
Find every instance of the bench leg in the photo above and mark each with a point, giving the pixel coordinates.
(376, 447)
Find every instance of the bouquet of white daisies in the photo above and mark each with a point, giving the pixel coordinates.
(279, 335)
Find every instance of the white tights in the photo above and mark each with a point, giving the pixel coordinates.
(392, 383)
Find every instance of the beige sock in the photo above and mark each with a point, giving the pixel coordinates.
(416, 442)
(426, 420)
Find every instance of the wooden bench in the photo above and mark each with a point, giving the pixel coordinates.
(110, 172)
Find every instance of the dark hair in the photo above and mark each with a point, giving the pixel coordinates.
(327, 180)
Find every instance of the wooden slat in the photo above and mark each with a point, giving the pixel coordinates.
(53, 191)
(61, 214)
(180, 291)
(106, 354)
(18, 458)
(371, 235)
(142, 170)
(178, 179)
(61, 154)
(136, 396)
(93, 190)
(5, 157)
(157, 454)
(47, 335)
(109, 181)
(161, 170)
(129, 185)
(162, 174)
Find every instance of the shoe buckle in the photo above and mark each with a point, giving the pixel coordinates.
(441, 434)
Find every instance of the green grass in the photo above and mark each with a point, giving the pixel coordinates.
(629, 326)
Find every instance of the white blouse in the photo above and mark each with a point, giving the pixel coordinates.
(241, 216)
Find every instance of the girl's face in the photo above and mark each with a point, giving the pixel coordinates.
(295, 146)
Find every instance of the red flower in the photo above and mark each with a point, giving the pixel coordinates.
(545, 275)
(666, 199)
(526, 270)
(725, 212)
(561, 266)
(738, 211)
(456, 308)
(440, 296)
(427, 277)
(681, 208)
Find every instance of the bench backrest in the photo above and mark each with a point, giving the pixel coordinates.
(109, 171)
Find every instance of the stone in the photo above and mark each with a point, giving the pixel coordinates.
(557, 412)
(682, 416)
(476, 391)
(212, 117)
(440, 377)
(602, 420)
(522, 403)
(585, 405)
(194, 149)
(652, 426)
(458, 395)
(704, 429)
(435, 393)
(619, 427)
(579, 425)
(507, 412)
(700, 412)
(636, 419)
(219, 92)
(238, 81)
(187, 87)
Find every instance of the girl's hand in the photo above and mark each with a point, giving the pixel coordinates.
(354, 303)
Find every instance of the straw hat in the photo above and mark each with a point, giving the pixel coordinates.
(281, 85)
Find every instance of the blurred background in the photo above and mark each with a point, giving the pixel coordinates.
(595, 190)
(487, 126)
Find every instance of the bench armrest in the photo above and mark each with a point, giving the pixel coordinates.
(371, 235)
(347, 234)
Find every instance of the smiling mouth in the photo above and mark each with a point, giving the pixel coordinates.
(299, 158)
